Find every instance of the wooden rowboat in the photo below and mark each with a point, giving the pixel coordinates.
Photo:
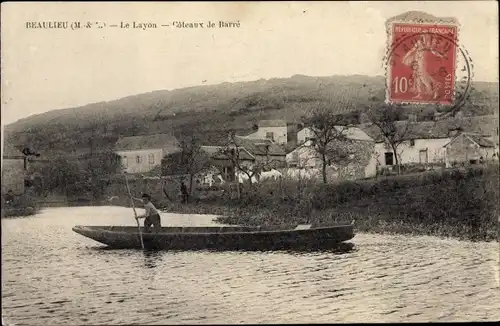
(221, 237)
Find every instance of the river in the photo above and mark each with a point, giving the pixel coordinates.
(51, 275)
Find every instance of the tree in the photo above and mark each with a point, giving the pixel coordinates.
(393, 131)
(191, 159)
(232, 151)
(99, 167)
(61, 175)
(328, 134)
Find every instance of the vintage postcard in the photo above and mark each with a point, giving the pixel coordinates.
(249, 162)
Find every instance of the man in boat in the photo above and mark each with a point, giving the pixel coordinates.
(152, 216)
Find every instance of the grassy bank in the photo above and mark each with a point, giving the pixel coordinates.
(450, 203)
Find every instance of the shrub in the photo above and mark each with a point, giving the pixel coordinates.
(456, 201)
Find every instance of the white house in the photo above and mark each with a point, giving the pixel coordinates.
(361, 146)
(353, 133)
(424, 142)
(422, 151)
(140, 154)
(275, 130)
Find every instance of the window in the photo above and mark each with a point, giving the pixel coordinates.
(270, 135)
(124, 161)
(295, 157)
(138, 159)
(151, 158)
(389, 158)
(412, 142)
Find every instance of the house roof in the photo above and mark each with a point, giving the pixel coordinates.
(272, 123)
(248, 133)
(478, 139)
(9, 151)
(353, 133)
(258, 146)
(305, 144)
(147, 142)
(216, 152)
(482, 125)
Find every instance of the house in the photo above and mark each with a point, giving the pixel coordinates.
(303, 156)
(424, 142)
(274, 130)
(267, 153)
(470, 148)
(140, 154)
(304, 135)
(13, 172)
(252, 152)
(360, 164)
(223, 162)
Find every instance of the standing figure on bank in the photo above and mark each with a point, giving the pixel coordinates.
(184, 192)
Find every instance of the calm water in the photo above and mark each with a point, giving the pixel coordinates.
(51, 275)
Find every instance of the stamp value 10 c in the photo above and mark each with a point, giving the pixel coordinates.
(422, 63)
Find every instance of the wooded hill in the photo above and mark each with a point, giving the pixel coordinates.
(213, 109)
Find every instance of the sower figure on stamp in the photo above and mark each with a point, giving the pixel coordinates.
(415, 58)
(152, 216)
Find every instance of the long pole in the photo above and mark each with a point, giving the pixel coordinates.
(135, 213)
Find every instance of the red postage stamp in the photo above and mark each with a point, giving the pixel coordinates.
(421, 63)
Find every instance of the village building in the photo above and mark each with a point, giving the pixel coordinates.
(425, 143)
(268, 154)
(274, 130)
(220, 159)
(359, 164)
(13, 170)
(470, 148)
(141, 154)
(262, 154)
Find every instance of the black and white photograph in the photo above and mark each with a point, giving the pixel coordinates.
(249, 162)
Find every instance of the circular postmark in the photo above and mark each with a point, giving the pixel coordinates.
(426, 66)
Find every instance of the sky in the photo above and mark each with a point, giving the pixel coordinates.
(43, 70)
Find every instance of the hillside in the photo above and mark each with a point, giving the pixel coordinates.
(212, 109)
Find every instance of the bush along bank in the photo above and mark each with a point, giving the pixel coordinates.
(23, 205)
(460, 203)
(450, 203)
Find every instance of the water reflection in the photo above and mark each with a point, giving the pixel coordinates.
(152, 258)
(381, 278)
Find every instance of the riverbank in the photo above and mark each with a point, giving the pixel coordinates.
(23, 205)
(461, 203)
